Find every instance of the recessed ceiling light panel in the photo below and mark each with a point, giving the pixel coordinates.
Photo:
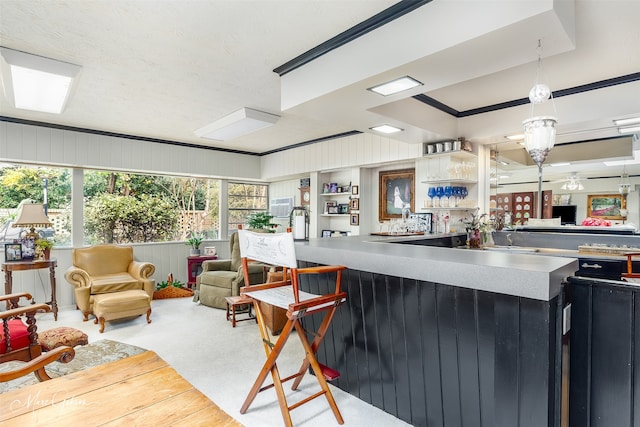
(395, 86)
(236, 124)
(386, 129)
(630, 129)
(34, 82)
(628, 121)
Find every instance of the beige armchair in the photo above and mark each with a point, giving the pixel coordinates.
(222, 278)
(104, 269)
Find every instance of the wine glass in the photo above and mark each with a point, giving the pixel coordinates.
(447, 197)
(439, 195)
(431, 193)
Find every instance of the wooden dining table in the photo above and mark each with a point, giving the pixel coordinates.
(137, 390)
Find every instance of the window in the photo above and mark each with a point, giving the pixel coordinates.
(243, 199)
(126, 208)
(47, 185)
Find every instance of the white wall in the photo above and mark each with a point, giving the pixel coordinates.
(41, 145)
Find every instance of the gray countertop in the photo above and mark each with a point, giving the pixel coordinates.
(526, 275)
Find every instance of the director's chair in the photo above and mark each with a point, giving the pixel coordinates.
(279, 250)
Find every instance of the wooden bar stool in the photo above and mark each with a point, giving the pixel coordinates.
(279, 250)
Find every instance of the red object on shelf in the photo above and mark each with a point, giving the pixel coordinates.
(194, 264)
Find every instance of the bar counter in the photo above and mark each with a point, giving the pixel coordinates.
(445, 336)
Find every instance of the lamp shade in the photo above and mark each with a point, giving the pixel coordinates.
(539, 137)
(31, 215)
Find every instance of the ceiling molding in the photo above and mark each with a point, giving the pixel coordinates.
(390, 14)
(629, 78)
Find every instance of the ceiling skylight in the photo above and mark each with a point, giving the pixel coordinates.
(36, 83)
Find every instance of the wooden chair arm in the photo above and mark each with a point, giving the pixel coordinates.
(18, 295)
(23, 310)
(323, 302)
(321, 269)
(263, 286)
(63, 354)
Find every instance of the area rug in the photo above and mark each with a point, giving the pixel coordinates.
(87, 356)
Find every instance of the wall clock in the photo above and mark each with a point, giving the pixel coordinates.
(305, 196)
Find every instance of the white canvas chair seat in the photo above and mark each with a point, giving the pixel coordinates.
(279, 250)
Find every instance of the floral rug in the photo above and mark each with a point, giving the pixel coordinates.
(87, 356)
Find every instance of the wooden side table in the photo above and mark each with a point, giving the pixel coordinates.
(194, 262)
(10, 267)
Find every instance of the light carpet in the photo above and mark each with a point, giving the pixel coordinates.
(87, 356)
(223, 362)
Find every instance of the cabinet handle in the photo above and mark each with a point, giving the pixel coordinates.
(585, 265)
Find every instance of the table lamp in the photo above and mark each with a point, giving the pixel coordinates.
(31, 215)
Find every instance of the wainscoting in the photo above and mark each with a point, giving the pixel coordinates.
(437, 355)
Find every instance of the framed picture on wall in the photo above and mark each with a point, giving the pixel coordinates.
(354, 219)
(354, 204)
(396, 190)
(605, 206)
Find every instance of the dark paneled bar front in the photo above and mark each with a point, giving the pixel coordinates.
(436, 354)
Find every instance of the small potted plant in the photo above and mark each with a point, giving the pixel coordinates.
(194, 242)
(43, 248)
(171, 289)
(261, 221)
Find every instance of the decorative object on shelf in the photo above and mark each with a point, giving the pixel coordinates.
(209, 250)
(354, 204)
(539, 131)
(298, 221)
(305, 196)
(624, 188)
(12, 252)
(395, 192)
(355, 190)
(605, 206)
(194, 240)
(333, 187)
(354, 219)
(343, 208)
(326, 233)
(326, 188)
(329, 205)
(43, 248)
(28, 248)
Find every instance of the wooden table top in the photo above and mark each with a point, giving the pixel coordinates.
(138, 390)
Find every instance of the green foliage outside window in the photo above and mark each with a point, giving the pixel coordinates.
(111, 218)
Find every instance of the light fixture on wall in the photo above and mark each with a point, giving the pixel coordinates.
(236, 124)
(31, 216)
(36, 83)
(539, 131)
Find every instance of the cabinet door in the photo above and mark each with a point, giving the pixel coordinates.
(523, 207)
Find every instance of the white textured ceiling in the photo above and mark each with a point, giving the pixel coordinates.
(164, 68)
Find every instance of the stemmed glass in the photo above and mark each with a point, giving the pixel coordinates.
(439, 195)
(447, 197)
(431, 195)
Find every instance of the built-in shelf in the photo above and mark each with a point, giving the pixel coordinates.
(460, 154)
(334, 194)
(450, 181)
(448, 209)
(335, 215)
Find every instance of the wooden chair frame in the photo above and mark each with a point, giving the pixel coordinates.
(35, 360)
(296, 310)
(630, 274)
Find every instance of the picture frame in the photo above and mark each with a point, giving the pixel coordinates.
(355, 190)
(12, 252)
(28, 248)
(354, 204)
(332, 209)
(354, 219)
(395, 189)
(326, 233)
(605, 206)
(343, 208)
(329, 204)
(209, 251)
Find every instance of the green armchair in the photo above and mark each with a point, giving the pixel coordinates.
(222, 278)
